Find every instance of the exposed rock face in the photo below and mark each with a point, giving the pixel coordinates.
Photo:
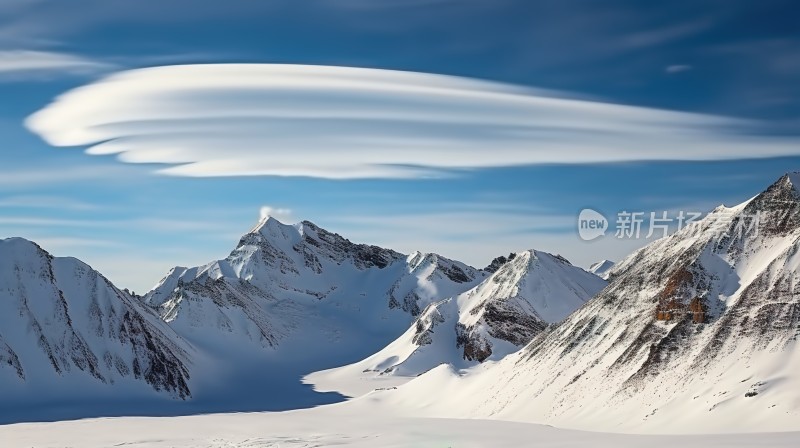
(491, 320)
(61, 321)
(498, 262)
(520, 299)
(424, 326)
(689, 320)
(337, 248)
(473, 347)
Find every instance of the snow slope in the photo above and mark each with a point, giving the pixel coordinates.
(68, 336)
(341, 425)
(602, 268)
(697, 332)
(497, 317)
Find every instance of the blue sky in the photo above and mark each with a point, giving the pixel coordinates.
(511, 172)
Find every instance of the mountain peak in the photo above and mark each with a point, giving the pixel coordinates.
(602, 268)
(777, 207)
(537, 254)
(268, 223)
(18, 242)
(18, 247)
(271, 226)
(787, 186)
(792, 179)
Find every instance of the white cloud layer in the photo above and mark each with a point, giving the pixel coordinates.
(341, 122)
(26, 62)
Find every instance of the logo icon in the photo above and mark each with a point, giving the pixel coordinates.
(591, 224)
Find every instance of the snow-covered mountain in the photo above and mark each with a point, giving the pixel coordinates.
(288, 300)
(66, 333)
(531, 290)
(696, 332)
(287, 281)
(294, 299)
(602, 268)
(520, 299)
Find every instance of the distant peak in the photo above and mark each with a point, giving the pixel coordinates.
(417, 258)
(18, 243)
(602, 268)
(601, 263)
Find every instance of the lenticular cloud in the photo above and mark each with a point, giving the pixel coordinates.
(343, 122)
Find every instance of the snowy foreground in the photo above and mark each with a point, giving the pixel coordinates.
(339, 425)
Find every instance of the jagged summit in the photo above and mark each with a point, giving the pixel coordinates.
(495, 264)
(791, 179)
(454, 270)
(271, 226)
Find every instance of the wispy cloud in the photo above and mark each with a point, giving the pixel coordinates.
(477, 237)
(763, 75)
(65, 244)
(281, 214)
(677, 68)
(26, 178)
(47, 21)
(29, 64)
(344, 123)
(146, 225)
(36, 221)
(47, 202)
(664, 34)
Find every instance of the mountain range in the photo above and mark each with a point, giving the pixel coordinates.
(696, 332)
(239, 332)
(698, 329)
